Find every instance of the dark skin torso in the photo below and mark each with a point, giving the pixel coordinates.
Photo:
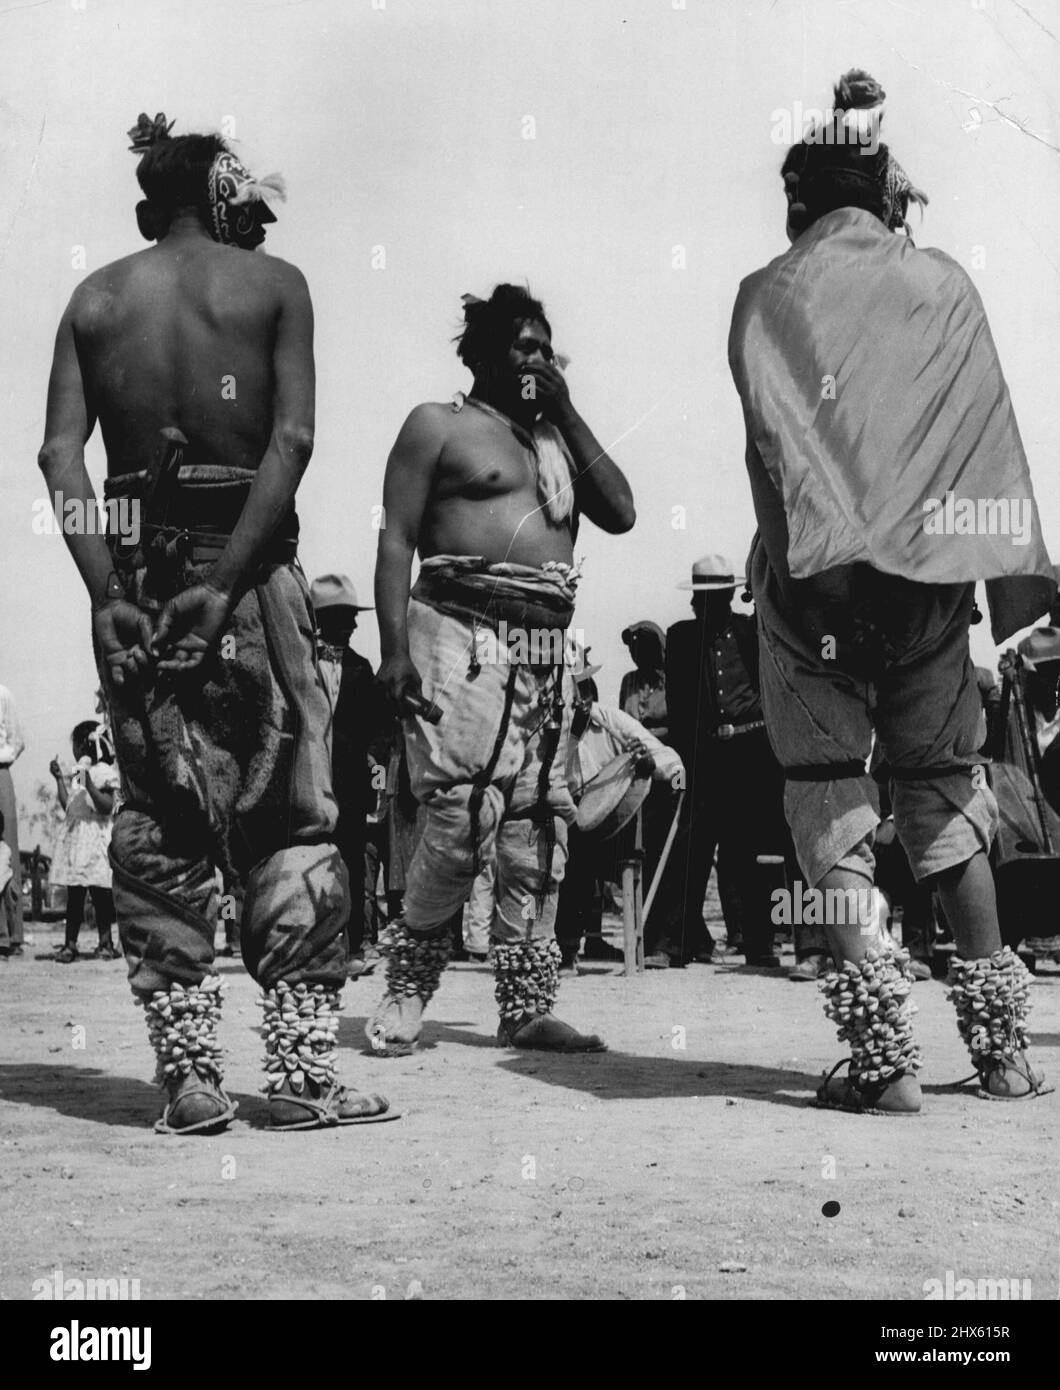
(484, 498)
(158, 332)
(206, 339)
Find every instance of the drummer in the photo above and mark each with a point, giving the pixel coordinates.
(599, 735)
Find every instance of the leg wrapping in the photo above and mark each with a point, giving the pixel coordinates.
(301, 1035)
(182, 1025)
(414, 963)
(527, 977)
(871, 1007)
(991, 996)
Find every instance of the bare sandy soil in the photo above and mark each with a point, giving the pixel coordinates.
(684, 1162)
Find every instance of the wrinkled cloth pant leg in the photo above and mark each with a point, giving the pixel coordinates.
(444, 760)
(815, 714)
(228, 768)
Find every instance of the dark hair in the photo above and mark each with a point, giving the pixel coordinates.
(821, 177)
(490, 324)
(830, 168)
(174, 172)
(83, 734)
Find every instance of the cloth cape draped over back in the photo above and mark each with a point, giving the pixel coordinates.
(920, 409)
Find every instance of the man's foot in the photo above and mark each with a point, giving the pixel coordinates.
(324, 1107)
(658, 960)
(14, 950)
(227, 950)
(67, 955)
(596, 948)
(105, 951)
(394, 1029)
(919, 969)
(357, 966)
(196, 1106)
(1013, 1078)
(811, 967)
(901, 1095)
(763, 962)
(546, 1033)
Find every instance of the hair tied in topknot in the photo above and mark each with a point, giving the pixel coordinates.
(147, 132)
(857, 90)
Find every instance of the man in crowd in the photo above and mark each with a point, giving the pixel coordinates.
(11, 746)
(733, 797)
(599, 735)
(489, 492)
(196, 359)
(359, 718)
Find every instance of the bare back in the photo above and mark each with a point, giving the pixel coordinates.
(182, 335)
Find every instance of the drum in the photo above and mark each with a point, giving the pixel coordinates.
(611, 799)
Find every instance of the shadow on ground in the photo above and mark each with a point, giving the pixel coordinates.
(85, 1093)
(615, 1075)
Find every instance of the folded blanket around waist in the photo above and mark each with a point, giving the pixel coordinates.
(523, 597)
(197, 504)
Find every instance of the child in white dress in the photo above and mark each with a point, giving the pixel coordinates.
(81, 862)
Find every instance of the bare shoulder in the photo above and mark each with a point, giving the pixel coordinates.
(431, 420)
(97, 291)
(287, 279)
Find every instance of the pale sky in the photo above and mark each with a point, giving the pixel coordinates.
(403, 125)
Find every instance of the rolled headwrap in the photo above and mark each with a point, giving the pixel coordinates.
(858, 102)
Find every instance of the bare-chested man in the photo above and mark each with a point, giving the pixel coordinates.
(488, 491)
(197, 360)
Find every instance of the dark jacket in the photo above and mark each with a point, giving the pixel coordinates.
(361, 716)
(690, 705)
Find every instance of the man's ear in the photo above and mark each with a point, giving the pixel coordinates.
(145, 221)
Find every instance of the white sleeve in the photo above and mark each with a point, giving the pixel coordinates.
(628, 730)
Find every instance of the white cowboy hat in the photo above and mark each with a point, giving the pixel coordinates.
(335, 591)
(713, 572)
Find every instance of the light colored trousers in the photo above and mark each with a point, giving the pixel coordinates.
(444, 759)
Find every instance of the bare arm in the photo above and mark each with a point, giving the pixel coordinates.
(192, 622)
(600, 488)
(124, 633)
(410, 472)
(102, 799)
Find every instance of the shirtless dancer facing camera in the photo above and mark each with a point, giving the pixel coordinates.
(488, 492)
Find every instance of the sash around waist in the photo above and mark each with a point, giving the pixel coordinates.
(485, 601)
(203, 503)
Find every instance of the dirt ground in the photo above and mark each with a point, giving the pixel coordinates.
(684, 1162)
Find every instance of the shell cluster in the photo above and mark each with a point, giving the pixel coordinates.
(182, 1025)
(301, 1035)
(991, 998)
(414, 962)
(870, 1005)
(527, 977)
